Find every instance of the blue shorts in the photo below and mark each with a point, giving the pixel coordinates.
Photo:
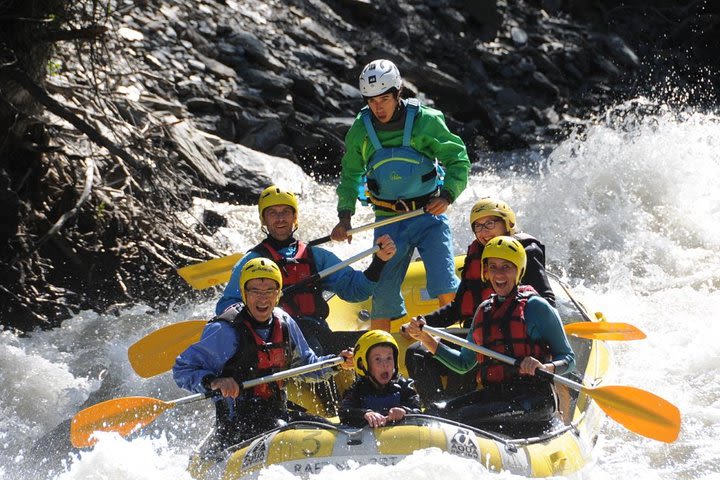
(432, 237)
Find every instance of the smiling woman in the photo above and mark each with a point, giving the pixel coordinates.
(516, 320)
(500, 273)
(504, 262)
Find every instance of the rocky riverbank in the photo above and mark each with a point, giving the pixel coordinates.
(165, 100)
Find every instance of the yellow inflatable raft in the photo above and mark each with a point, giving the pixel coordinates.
(305, 448)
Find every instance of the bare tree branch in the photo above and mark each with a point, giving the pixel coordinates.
(39, 94)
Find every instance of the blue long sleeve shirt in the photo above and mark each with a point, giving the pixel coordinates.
(220, 341)
(543, 324)
(349, 284)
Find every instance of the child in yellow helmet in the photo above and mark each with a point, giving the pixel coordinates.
(379, 395)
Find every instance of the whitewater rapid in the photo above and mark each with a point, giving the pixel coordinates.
(629, 211)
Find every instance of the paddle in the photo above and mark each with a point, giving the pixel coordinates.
(156, 352)
(128, 414)
(595, 330)
(604, 331)
(637, 410)
(373, 225)
(589, 330)
(216, 271)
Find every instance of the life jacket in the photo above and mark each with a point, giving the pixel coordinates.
(306, 300)
(399, 179)
(256, 357)
(502, 328)
(380, 401)
(475, 289)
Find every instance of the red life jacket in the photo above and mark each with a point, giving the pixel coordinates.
(502, 328)
(271, 357)
(256, 357)
(475, 289)
(306, 300)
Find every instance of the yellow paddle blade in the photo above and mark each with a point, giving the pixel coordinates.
(121, 415)
(639, 411)
(604, 331)
(155, 353)
(210, 273)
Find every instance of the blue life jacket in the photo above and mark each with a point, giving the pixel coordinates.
(399, 173)
(382, 403)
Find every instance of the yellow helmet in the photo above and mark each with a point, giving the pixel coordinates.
(274, 195)
(370, 339)
(259, 268)
(508, 249)
(490, 206)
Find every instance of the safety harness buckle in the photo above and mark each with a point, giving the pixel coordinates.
(401, 206)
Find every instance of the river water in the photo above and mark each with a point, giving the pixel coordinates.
(629, 211)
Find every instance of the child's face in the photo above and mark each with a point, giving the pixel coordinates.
(381, 362)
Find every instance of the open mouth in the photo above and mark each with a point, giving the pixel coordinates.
(263, 308)
(500, 285)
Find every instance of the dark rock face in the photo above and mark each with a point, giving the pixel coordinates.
(488, 65)
(194, 96)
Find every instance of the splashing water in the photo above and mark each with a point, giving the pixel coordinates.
(629, 212)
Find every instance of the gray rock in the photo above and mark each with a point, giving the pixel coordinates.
(201, 105)
(509, 97)
(216, 68)
(606, 66)
(265, 80)
(256, 170)
(196, 64)
(518, 35)
(546, 85)
(363, 9)
(621, 52)
(264, 136)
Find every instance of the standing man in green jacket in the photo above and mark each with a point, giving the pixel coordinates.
(409, 160)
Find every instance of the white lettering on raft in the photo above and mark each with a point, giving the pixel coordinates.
(315, 467)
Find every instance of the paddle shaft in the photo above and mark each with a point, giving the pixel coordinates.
(311, 367)
(579, 307)
(155, 353)
(330, 270)
(499, 356)
(125, 415)
(274, 377)
(371, 226)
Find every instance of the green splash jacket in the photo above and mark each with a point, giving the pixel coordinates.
(430, 136)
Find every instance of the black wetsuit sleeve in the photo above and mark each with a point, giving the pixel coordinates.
(351, 412)
(445, 315)
(535, 275)
(373, 271)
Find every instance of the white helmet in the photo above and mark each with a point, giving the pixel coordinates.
(378, 77)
